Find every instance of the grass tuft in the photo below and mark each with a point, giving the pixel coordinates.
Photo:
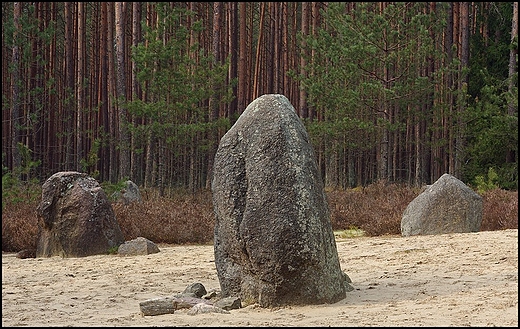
(352, 232)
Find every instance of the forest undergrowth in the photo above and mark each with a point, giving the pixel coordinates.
(186, 218)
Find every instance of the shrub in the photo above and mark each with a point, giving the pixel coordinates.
(181, 218)
(484, 185)
(19, 221)
(19, 226)
(500, 210)
(376, 209)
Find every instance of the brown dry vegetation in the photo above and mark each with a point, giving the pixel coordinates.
(185, 218)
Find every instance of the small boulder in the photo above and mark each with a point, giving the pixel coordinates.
(75, 218)
(138, 246)
(129, 194)
(168, 305)
(203, 308)
(229, 303)
(157, 306)
(196, 288)
(447, 206)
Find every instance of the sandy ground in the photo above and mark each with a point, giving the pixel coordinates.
(468, 279)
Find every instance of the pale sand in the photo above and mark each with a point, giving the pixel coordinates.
(466, 279)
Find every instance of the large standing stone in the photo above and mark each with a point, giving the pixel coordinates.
(447, 206)
(75, 218)
(273, 239)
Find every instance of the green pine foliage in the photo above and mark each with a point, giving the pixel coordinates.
(16, 186)
(491, 135)
(362, 66)
(179, 80)
(492, 132)
(493, 51)
(346, 85)
(484, 185)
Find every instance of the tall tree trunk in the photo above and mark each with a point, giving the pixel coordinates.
(447, 151)
(213, 103)
(463, 86)
(124, 150)
(68, 117)
(512, 109)
(295, 58)
(92, 72)
(135, 169)
(112, 92)
(37, 74)
(151, 149)
(79, 85)
(314, 30)
(277, 48)
(51, 154)
(384, 114)
(513, 52)
(160, 166)
(302, 106)
(256, 76)
(450, 118)
(465, 33)
(103, 103)
(242, 61)
(270, 49)
(15, 91)
(233, 49)
(284, 51)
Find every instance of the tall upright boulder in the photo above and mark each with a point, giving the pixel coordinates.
(75, 218)
(273, 239)
(446, 206)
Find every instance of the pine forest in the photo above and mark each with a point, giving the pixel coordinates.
(388, 91)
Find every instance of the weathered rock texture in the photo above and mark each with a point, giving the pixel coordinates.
(75, 218)
(129, 194)
(168, 305)
(196, 288)
(138, 246)
(273, 238)
(447, 206)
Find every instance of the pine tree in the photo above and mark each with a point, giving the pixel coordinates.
(368, 80)
(178, 86)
